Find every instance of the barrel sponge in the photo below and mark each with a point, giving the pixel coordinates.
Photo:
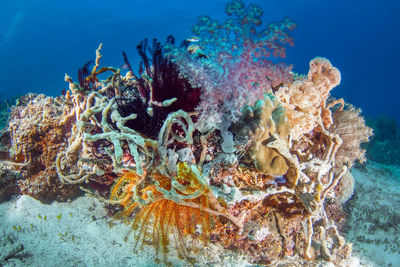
(264, 121)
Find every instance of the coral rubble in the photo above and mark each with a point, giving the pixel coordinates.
(211, 141)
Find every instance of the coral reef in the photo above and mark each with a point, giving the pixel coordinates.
(35, 137)
(263, 121)
(211, 141)
(305, 100)
(5, 112)
(268, 193)
(350, 126)
(8, 182)
(384, 146)
(231, 60)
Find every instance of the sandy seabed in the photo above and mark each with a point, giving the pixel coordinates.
(80, 233)
(373, 224)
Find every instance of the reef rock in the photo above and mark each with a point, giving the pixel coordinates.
(35, 137)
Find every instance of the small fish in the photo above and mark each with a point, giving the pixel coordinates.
(193, 39)
(124, 66)
(127, 161)
(279, 179)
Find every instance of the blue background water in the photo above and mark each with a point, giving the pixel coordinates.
(42, 40)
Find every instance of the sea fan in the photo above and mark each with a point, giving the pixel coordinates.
(352, 129)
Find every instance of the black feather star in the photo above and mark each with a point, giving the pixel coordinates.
(83, 73)
(159, 81)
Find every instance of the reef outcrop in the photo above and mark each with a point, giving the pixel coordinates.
(34, 137)
(265, 175)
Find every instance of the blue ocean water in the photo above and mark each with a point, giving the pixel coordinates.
(42, 40)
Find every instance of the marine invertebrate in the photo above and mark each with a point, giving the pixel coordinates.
(263, 122)
(242, 27)
(79, 161)
(162, 91)
(312, 176)
(350, 126)
(305, 100)
(235, 69)
(176, 207)
(35, 140)
(292, 210)
(158, 177)
(188, 168)
(136, 107)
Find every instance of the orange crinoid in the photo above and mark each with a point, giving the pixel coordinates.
(168, 209)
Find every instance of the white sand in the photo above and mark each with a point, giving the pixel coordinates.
(79, 236)
(75, 234)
